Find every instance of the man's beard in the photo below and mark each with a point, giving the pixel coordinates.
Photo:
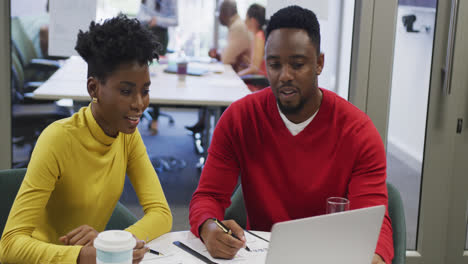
(294, 109)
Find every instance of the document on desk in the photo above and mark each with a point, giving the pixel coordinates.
(257, 254)
(170, 256)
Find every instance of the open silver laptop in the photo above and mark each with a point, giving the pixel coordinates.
(347, 237)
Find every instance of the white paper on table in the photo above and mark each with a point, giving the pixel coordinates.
(67, 17)
(257, 254)
(171, 255)
(166, 259)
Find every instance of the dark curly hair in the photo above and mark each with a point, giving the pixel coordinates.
(116, 41)
(296, 17)
(257, 12)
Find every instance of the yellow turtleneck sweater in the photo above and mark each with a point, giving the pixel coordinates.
(75, 177)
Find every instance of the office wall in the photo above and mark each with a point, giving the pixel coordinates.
(410, 85)
(330, 29)
(336, 33)
(5, 103)
(28, 7)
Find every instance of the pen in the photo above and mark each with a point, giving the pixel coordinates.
(155, 252)
(227, 231)
(255, 235)
(152, 250)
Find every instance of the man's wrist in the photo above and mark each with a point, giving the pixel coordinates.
(200, 228)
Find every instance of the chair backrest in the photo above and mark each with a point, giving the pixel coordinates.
(237, 209)
(396, 212)
(121, 218)
(10, 182)
(17, 75)
(21, 43)
(17, 79)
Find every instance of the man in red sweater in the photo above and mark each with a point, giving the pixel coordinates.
(294, 145)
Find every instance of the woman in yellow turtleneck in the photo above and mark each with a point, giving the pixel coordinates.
(77, 170)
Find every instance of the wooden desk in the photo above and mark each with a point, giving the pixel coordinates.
(173, 254)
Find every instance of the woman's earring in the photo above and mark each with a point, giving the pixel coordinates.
(95, 100)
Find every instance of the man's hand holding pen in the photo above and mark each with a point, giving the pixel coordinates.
(219, 243)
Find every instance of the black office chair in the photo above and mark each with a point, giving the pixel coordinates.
(21, 88)
(151, 110)
(34, 67)
(29, 116)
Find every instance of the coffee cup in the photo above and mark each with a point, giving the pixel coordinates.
(114, 247)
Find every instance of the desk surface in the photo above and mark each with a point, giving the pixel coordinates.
(212, 89)
(173, 254)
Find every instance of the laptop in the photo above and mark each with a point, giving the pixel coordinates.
(347, 237)
(194, 71)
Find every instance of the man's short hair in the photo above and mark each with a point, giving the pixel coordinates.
(228, 8)
(296, 17)
(116, 41)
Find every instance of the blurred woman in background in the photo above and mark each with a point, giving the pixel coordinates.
(255, 20)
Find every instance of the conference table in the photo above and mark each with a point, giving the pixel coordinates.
(217, 88)
(174, 254)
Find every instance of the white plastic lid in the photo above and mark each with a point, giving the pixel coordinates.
(114, 241)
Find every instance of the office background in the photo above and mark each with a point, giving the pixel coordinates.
(411, 70)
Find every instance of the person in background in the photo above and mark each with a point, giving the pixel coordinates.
(293, 144)
(237, 51)
(238, 48)
(158, 15)
(77, 169)
(255, 19)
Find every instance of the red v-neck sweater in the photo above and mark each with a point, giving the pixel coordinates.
(284, 177)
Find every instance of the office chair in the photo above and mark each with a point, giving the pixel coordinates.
(147, 115)
(10, 182)
(121, 218)
(396, 212)
(35, 68)
(20, 87)
(29, 116)
(237, 209)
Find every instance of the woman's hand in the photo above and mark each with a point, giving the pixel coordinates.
(83, 235)
(87, 255)
(139, 250)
